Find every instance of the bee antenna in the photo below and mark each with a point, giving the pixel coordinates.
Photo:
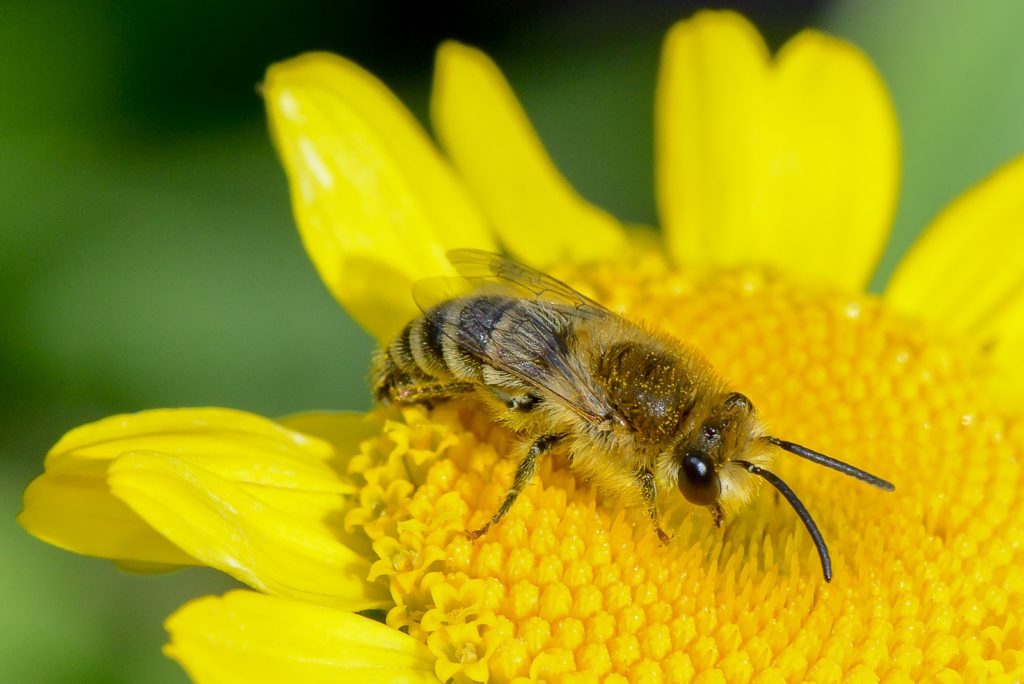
(805, 517)
(829, 462)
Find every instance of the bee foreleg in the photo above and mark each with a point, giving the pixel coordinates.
(649, 492)
(717, 514)
(524, 473)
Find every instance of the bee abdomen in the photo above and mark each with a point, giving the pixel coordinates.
(417, 354)
(426, 342)
(480, 318)
(488, 327)
(440, 344)
(399, 352)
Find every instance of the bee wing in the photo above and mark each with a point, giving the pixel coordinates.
(504, 276)
(534, 344)
(429, 292)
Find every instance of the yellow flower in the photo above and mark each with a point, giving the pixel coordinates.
(776, 185)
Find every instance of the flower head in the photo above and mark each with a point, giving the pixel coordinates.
(776, 185)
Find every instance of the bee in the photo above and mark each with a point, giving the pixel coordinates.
(637, 412)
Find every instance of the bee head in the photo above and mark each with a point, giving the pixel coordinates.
(725, 431)
(722, 435)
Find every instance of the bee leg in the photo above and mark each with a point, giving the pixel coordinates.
(524, 473)
(649, 491)
(425, 394)
(717, 514)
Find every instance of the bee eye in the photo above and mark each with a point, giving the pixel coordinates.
(698, 480)
(710, 432)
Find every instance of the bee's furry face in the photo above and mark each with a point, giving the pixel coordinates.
(723, 435)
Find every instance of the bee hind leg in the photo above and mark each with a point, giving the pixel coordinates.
(524, 473)
(428, 394)
(649, 492)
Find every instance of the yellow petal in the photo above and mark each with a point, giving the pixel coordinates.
(791, 163)
(966, 272)
(250, 638)
(376, 205)
(216, 433)
(344, 430)
(70, 506)
(226, 526)
(538, 216)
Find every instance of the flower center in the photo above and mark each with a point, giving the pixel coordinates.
(570, 581)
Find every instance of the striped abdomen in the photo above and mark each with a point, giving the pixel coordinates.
(444, 345)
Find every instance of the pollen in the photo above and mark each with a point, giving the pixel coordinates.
(570, 586)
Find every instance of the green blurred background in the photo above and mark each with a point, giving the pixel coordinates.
(148, 256)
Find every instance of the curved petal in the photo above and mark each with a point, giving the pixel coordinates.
(376, 205)
(538, 216)
(229, 528)
(791, 163)
(246, 637)
(71, 506)
(966, 272)
(344, 430)
(251, 448)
